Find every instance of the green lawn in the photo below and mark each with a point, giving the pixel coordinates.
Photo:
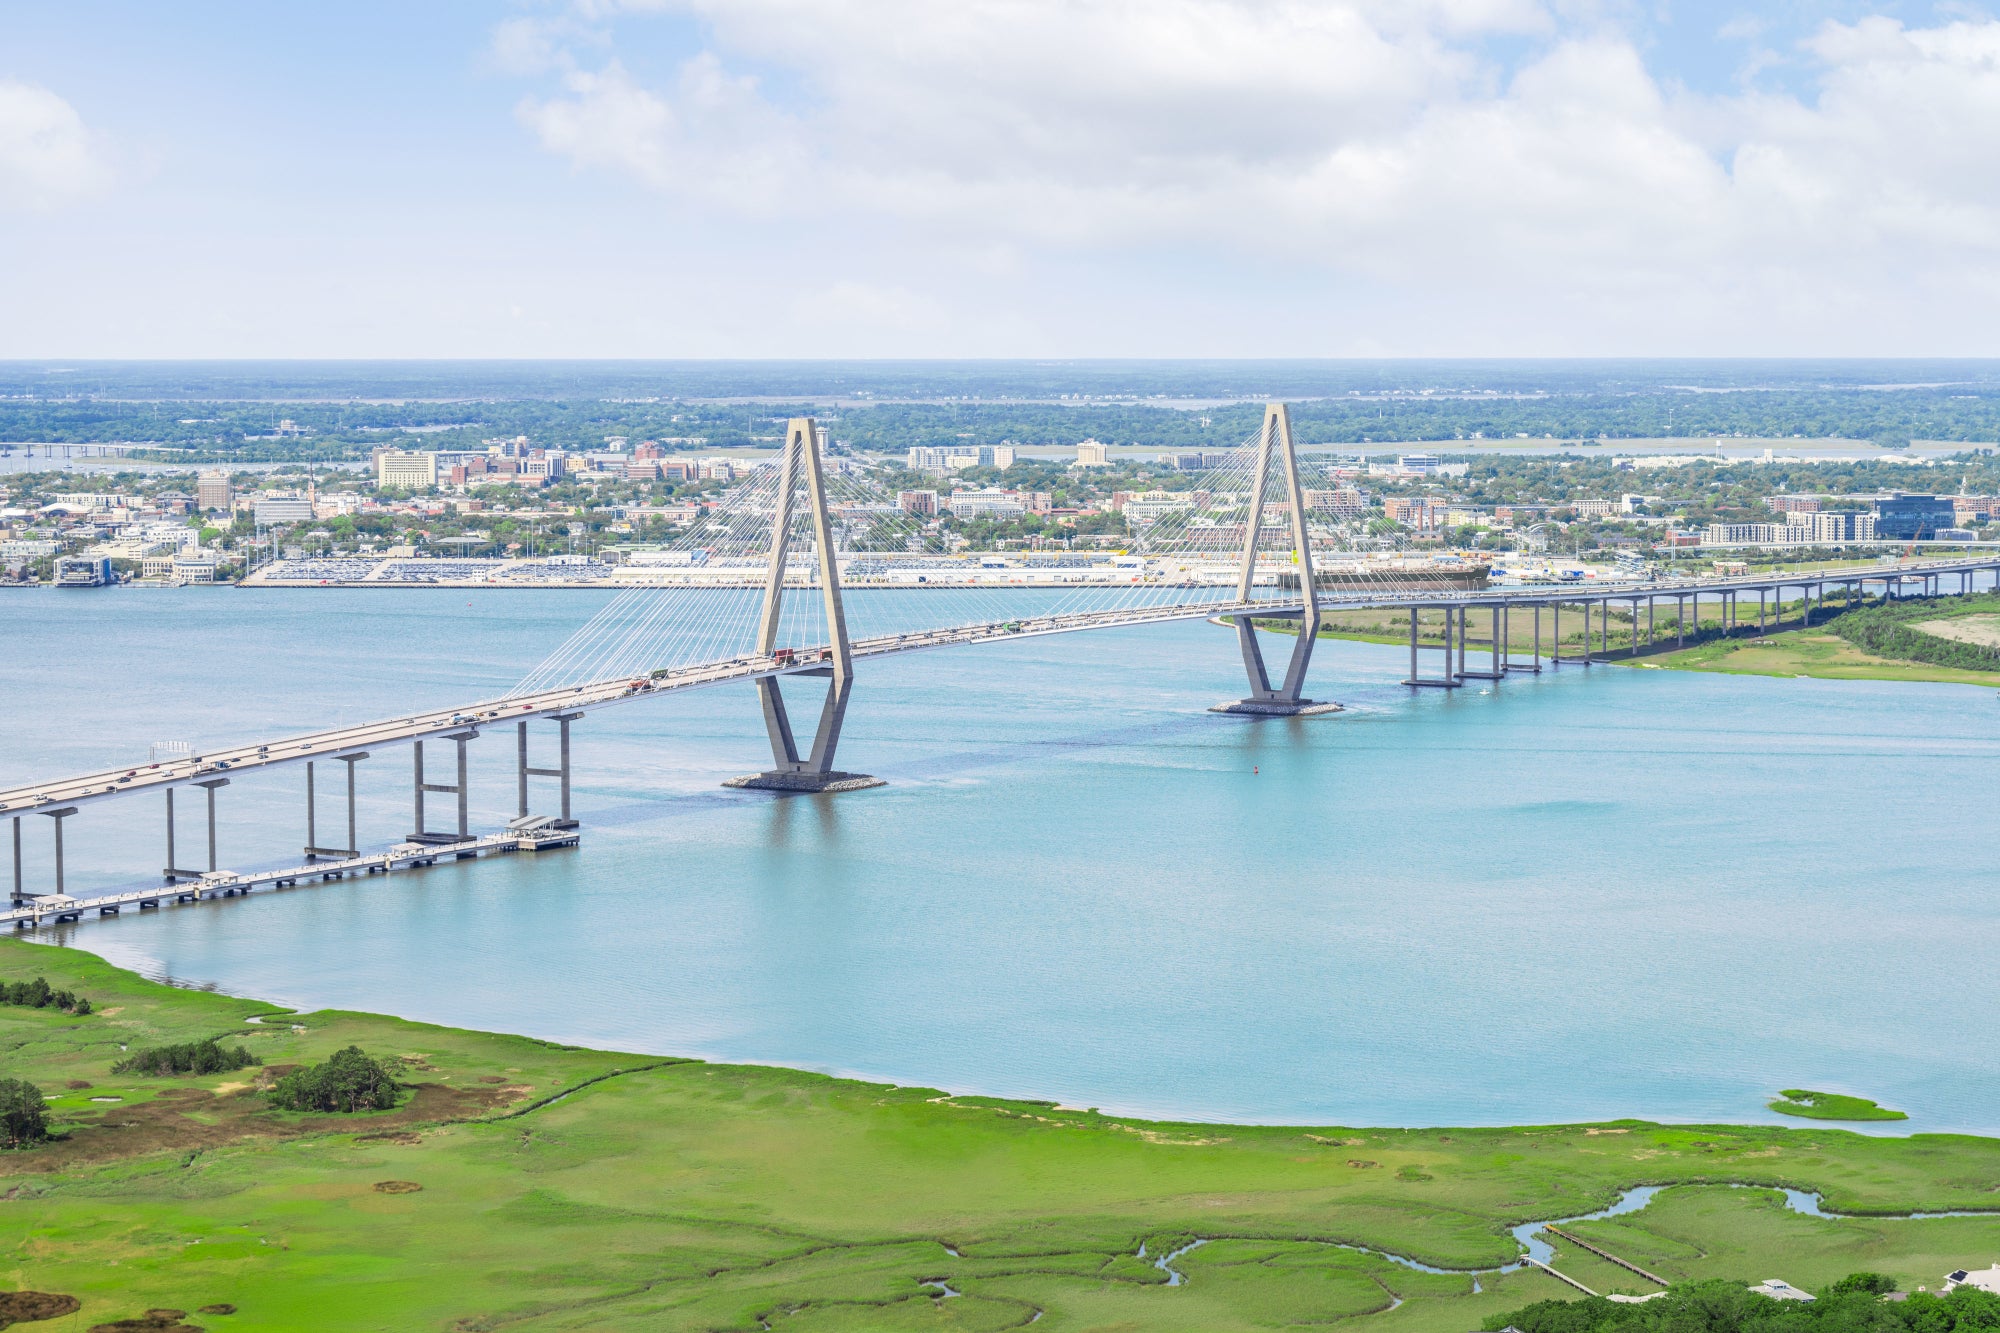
(574, 1189)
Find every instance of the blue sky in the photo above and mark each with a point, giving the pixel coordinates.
(998, 178)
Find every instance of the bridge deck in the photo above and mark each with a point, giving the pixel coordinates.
(330, 743)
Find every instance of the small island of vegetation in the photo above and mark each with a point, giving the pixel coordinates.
(1832, 1106)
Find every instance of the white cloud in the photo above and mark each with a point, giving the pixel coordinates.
(1351, 139)
(47, 156)
(711, 136)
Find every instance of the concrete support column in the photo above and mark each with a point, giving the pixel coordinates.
(19, 897)
(564, 722)
(59, 816)
(210, 786)
(353, 845)
(1499, 664)
(417, 752)
(521, 766)
(1537, 655)
(1413, 650)
(1556, 634)
(464, 819)
(312, 838)
(170, 836)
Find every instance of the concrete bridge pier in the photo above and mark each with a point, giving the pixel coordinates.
(459, 789)
(1417, 679)
(1496, 668)
(523, 772)
(20, 897)
(313, 850)
(174, 872)
(1534, 662)
(59, 816)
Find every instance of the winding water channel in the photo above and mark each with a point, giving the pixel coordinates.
(1535, 1250)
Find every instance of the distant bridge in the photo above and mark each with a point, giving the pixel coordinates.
(610, 660)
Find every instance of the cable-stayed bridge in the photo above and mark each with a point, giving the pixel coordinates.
(808, 567)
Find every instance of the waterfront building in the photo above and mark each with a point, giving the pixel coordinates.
(413, 469)
(1906, 517)
(195, 568)
(1092, 453)
(79, 571)
(212, 492)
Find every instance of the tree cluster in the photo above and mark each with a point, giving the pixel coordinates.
(24, 1115)
(1852, 1305)
(1887, 631)
(192, 1057)
(38, 994)
(349, 1080)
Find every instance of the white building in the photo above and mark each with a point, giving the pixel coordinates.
(985, 504)
(1092, 453)
(283, 510)
(1985, 1279)
(413, 469)
(1740, 534)
(1779, 1290)
(194, 568)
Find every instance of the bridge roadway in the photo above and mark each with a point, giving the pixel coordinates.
(126, 780)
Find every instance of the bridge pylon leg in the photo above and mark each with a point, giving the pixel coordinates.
(1287, 699)
(813, 771)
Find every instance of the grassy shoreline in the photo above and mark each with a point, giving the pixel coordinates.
(1787, 647)
(564, 1188)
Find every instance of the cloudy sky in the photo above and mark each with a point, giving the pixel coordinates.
(688, 178)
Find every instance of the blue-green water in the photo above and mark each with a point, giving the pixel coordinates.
(1583, 895)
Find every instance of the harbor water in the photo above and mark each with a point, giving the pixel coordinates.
(1584, 895)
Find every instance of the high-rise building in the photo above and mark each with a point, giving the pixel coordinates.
(1091, 453)
(918, 502)
(415, 470)
(212, 491)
